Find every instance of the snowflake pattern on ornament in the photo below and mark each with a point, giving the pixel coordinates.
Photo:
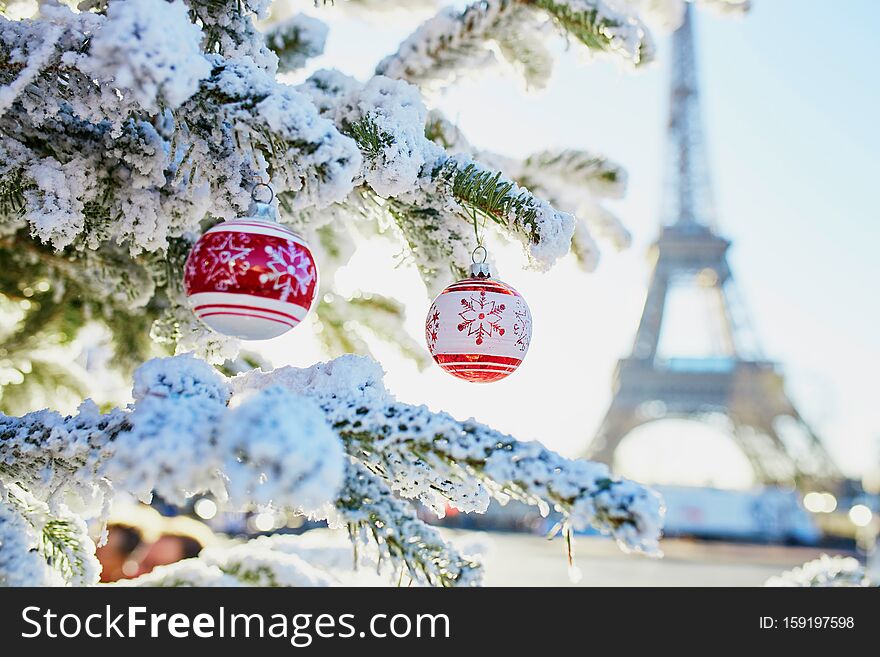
(482, 317)
(432, 327)
(224, 258)
(522, 325)
(292, 270)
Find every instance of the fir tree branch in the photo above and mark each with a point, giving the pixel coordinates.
(437, 459)
(601, 28)
(369, 137)
(63, 542)
(371, 512)
(574, 168)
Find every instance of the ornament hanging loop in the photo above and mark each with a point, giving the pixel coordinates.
(261, 206)
(480, 268)
(256, 192)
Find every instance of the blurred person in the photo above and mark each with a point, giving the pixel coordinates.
(116, 555)
(168, 548)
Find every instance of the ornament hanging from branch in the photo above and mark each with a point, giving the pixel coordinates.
(479, 328)
(251, 277)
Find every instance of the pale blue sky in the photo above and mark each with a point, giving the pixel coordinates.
(790, 106)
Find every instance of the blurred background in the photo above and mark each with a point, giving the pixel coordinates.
(789, 105)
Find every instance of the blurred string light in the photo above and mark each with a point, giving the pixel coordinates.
(860, 515)
(264, 521)
(205, 508)
(820, 502)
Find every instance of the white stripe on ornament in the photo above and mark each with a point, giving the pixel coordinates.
(260, 303)
(257, 228)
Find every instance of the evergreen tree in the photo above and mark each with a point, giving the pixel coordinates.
(128, 128)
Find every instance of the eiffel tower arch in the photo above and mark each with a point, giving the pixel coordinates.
(734, 380)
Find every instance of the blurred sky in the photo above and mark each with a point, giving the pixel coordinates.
(790, 101)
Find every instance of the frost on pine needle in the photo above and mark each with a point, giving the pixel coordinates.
(438, 459)
(826, 571)
(57, 458)
(570, 167)
(373, 515)
(386, 118)
(59, 537)
(20, 562)
(602, 28)
(149, 49)
(544, 231)
(459, 42)
(32, 56)
(451, 44)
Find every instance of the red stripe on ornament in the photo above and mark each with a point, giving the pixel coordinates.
(480, 287)
(480, 377)
(241, 307)
(251, 315)
(486, 366)
(477, 359)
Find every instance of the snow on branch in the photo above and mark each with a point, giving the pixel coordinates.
(544, 231)
(451, 44)
(437, 459)
(112, 141)
(431, 194)
(601, 28)
(572, 180)
(277, 438)
(455, 43)
(373, 515)
(39, 547)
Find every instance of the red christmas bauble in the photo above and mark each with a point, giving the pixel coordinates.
(250, 278)
(479, 329)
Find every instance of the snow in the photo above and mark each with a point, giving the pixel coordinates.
(279, 448)
(125, 131)
(20, 563)
(150, 49)
(432, 457)
(34, 62)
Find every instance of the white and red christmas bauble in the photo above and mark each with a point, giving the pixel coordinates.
(479, 329)
(250, 278)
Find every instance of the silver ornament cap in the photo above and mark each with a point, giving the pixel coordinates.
(480, 268)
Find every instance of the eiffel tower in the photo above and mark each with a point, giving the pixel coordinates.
(734, 381)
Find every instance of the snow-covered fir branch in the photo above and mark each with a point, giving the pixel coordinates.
(129, 126)
(278, 438)
(575, 181)
(374, 516)
(437, 459)
(455, 43)
(114, 155)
